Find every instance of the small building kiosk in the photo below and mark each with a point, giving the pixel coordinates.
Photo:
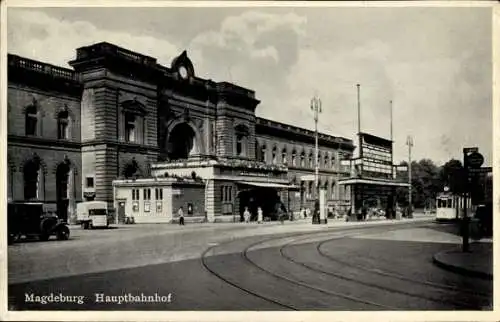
(373, 180)
(157, 200)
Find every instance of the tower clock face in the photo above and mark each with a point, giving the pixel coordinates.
(183, 72)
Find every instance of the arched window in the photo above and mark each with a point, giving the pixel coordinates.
(284, 156)
(241, 135)
(63, 125)
(325, 160)
(275, 156)
(130, 128)
(31, 120)
(333, 190)
(303, 159)
(310, 161)
(310, 189)
(31, 173)
(263, 153)
(294, 158)
(332, 161)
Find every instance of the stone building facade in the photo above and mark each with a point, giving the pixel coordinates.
(119, 115)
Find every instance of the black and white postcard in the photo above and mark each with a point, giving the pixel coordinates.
(243, 160)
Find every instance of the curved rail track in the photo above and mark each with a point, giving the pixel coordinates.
(285, 279)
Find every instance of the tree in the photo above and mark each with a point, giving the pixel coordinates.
(425, 183)
(451, 175)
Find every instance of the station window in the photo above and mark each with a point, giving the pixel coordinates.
(31, 120)
(227, 199)
(147, 194)
(294, 158)
(90, 182)
(159, 194)
(130, 128)
(284, 156)
(303, 159)
(63, 125)
(135, 194)
(241, 133)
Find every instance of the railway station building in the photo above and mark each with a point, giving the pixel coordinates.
(119, 119)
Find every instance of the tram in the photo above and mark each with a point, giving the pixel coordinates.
(450, 207)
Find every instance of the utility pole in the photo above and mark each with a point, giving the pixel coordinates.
(316, 108)
(391, 121)
(359, 111)
(409, 142)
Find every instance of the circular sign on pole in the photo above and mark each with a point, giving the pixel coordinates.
(475, 160)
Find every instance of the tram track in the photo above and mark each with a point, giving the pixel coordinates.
(396, 275)
(282, 278)
(282, 252)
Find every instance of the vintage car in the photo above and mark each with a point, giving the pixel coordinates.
(28, 220)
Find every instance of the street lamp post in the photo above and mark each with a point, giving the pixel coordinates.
(409, 142)
(316, 108)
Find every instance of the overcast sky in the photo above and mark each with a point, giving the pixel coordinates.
(434, 63)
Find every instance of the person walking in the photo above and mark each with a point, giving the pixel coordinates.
(259, 215)
(246, 215)
(180, 212)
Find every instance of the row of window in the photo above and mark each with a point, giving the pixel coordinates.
(63, 124)
(296, 160)
(31, 120)
(146, 194)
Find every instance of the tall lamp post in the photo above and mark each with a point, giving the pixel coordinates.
(316, 108)
(409, 142)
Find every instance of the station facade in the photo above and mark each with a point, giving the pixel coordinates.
(119, 116)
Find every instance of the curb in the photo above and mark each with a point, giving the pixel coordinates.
(460, 270)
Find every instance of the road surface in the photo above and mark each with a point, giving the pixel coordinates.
(244, 267)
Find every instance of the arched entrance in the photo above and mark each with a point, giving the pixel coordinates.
(181, 142)
(62, 195)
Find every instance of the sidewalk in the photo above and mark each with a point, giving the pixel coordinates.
(478, 262)
(297, 224)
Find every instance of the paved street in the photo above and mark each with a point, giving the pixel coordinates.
(296, 266)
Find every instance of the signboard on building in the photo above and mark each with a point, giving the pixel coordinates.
(376, 156)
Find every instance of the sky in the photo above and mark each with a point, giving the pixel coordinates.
(435, 64)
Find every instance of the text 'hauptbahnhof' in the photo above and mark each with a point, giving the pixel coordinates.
(149, 139)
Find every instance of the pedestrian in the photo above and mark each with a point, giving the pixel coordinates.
(259, 215)
(246, 215)
(180, 212)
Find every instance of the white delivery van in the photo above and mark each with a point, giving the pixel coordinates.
(92, 214)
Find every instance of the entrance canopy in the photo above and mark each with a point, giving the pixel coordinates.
(356, 181)
(268, 185)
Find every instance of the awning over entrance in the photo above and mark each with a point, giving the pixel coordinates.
(269, 185)
(373, 182)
